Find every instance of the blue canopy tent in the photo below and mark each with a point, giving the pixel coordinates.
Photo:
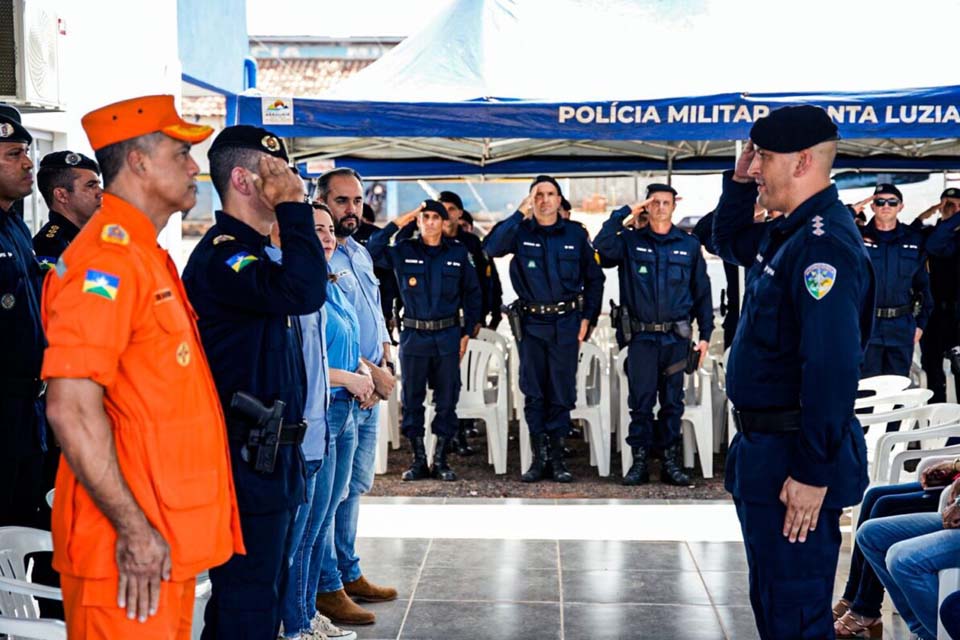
(486, 90)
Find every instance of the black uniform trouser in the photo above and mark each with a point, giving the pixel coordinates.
(939, 336)
(882, 360)
(646, 361)
(23, 493)
(245, 599)
(548, 381)
(443, 375)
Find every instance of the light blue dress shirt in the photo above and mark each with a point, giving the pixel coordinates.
(354, 270)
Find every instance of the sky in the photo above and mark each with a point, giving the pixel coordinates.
(339, 18)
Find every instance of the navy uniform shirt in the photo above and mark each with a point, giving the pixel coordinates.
(247, 306)
(663, 277)
(900, 267)
(22, 420)
(807, 315)
(940, 244)
(435, 283)
(53, 239)
(551, 264)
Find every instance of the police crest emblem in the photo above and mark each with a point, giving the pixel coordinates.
(819, 279)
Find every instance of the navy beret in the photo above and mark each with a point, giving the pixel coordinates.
(565, 204)
(657, 187)
(12, 131)
(11, 112)
(436, 207)
(952, 192)
(69, 160)
(451, 198)
(550, 179)
(244, 136)
(466, 217)
(885, 187)
(791, 129)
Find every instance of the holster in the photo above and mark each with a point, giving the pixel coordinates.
(264, 437)
(513, 313)
(625, 333)
(689, 364)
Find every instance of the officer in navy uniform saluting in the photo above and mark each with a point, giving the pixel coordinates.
(664, 285)
(799, 457)
(437, 280)
(247, 307)
(70, 185)
(556, 274)
(903, 286)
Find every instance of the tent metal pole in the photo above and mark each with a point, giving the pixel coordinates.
(670, 169)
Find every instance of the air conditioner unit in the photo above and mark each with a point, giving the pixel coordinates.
(29, 55)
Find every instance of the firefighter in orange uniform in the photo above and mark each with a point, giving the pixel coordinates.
(144, 497)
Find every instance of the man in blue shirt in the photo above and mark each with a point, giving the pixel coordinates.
(556, 274)
(341, 190)
(799, 457)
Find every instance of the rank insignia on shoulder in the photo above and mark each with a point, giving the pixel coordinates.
(239, 261)
(222, 238)
(101, 283)
(52, 231)
(115, 234)
(819, 279)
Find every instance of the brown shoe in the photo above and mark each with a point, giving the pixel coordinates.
(362, 591)
(342, 610)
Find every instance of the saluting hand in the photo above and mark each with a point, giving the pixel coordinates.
(526, 207)
(276, 183)
(803, 502)
(143, 560)
(741, 171)
(637, 218)
(409, 216)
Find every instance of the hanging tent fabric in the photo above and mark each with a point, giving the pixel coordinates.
(501, 87)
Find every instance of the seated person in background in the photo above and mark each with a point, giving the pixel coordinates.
(858, 611)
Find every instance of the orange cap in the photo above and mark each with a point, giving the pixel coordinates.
(138, 117)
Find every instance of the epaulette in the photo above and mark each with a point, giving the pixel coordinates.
(223, 237)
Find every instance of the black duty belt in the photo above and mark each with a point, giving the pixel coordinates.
(289, 433)
(651, 327)
(552, 309)
(22, 387)
(431, 325)
(776, 421)
(894, 312)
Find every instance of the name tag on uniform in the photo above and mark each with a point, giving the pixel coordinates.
(413, 261)
(680, 253)
(910, 246)
(643, 250)
(531, 244)
(452, 263)
(569, 246)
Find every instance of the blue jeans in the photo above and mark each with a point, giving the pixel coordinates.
(906, 552)
(361, 479)
(298, 601)
(336, 472)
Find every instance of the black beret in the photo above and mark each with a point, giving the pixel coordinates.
(466, 217)
(69, 160)
(550, 179)
(791, 129)
(885, 187)
(952, 192)
(368, 213)
(565, 204)
(451, 198)
(436, 207)
(12, 131)
(657, 187)
(247, 137)
(10, 111)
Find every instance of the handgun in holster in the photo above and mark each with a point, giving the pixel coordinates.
(513, 313)
(917, 300)
(691, 360)
(620, 319)
(264, 438)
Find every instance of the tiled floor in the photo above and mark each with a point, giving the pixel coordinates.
(539, 589)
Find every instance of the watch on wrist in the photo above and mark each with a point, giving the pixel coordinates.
(389, 365)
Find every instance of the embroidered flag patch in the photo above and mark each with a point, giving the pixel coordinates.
(819, 278)
(101, 283)
(238, 261)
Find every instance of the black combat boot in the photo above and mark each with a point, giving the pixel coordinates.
(462, 447)
(560, 471)
(418, 468)
(441, 470)
(541, 459)
(671, 471)
(638, 473)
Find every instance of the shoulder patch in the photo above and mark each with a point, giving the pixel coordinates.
(46, 262)
(222, 238)
(239, 261)
(101, 283)
(115, 234)
(819, 278)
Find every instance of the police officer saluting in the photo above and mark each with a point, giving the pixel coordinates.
(664, 285)
(70, 185)
(895, 250)
(799, 456)
(557, 276)
(247, 306)
(437, 280)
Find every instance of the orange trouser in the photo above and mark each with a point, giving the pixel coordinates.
(92, 611)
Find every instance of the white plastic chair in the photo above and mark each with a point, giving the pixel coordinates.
(934, 425)
(906, 416)
(18, 594)
(40, 629)
(502, 375)
(883, 385)
(592, 410)
(388, 422)
(698, 414)
(889, 398)
(949, 578)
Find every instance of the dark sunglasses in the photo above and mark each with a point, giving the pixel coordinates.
(886, 201)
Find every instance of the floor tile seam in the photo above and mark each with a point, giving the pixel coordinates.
(482, 601)
(413, 592)
(578, 603)
(713, 604)
(560, 588)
